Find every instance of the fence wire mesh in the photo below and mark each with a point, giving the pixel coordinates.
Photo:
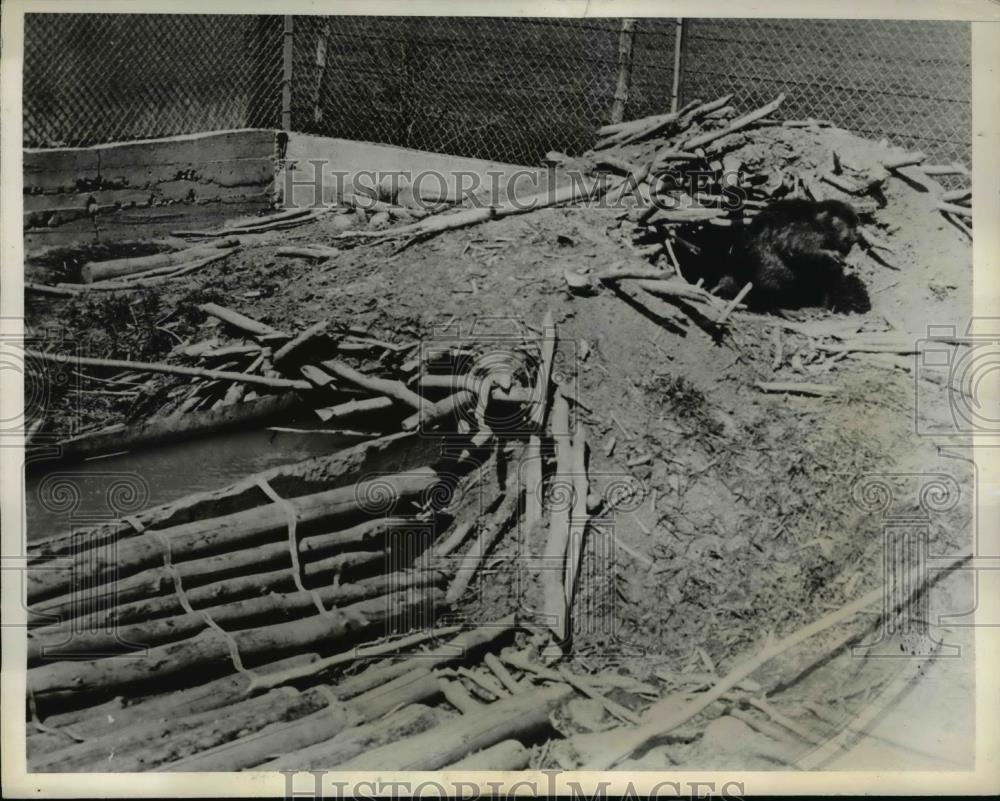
(507, 89)
(504, 89)
(906, 80)
(92, 78)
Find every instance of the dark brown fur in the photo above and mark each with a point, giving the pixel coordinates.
(793, 253)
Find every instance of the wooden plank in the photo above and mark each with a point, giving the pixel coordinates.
(75, 161)
(50, 202)
(222, 146)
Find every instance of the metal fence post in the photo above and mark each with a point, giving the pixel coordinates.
(286, 74)
(624, 69)
(675, 92)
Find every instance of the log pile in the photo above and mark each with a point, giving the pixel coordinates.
(270, 598)
(244, 618)
(437, 699)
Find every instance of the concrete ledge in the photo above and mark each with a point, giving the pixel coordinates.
(357, 161)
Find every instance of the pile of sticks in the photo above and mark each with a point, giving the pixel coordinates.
(817, 348)
(258, 374)
(260, 597)
(679, 171)
(448, 699)
(686, 179)
(235, 599)
(674, 174)
(263, 600)
(953, 204)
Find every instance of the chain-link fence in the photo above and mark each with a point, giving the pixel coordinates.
(92, 78)
(508, 89)
(908, 81)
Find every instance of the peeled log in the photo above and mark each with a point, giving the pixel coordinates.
(170, 369)
(94, 723)
(952, 208)
(245, 752)
(531, 477)
(272, 607)
(348, 408)
(541, 405)
(380, 674)
(317, 474)
(736, 125)
(408, 721)
(379, 386)
(290, 354)
(488, 535)
(179, 427)
(554, 196)
(642, 123)
(904, 160)
(553, 593)
(113, 268)
(517, 716)
(208, 653)
(703, 109)
(312, 252)
(621, 273)
(578, 522)
(508, 755)
(237, 320)
(210, 581)
(685, 215)
(430, 413)
(238, 530)
(146, 745)
(431, 225)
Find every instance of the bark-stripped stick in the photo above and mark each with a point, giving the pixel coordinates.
(549, 337)
(736, 125)
(553, 591)
(484, 542)
(170, 369)
(578, 522)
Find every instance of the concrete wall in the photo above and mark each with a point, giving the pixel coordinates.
(123, 184)
(143, 189)
(354, 159)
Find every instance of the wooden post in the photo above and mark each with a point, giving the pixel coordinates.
(321, 42)
(675, 93)
(286, 73)
(624, 69)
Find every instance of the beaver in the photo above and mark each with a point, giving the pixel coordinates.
(793, 252)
